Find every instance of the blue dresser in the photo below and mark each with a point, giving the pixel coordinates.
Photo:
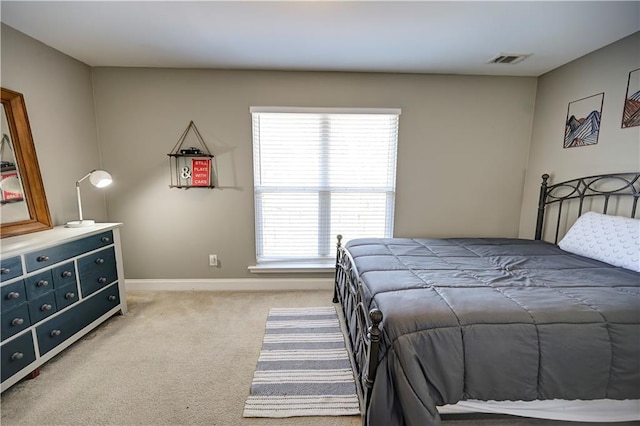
(56, 286)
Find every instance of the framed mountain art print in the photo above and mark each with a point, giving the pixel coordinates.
(631, 111)
(583, 121)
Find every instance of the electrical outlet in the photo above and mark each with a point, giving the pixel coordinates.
(213, 260)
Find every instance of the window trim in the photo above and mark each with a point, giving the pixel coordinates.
(321, 110)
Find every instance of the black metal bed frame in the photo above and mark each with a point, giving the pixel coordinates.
(582, 189)
(364, 340)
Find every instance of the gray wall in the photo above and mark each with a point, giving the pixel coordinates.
(58, 92)
(462, 152)
(465, 144)
(618, 150)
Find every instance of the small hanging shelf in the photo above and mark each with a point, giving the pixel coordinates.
(191, 167)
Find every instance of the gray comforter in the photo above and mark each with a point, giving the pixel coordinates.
(496, 319)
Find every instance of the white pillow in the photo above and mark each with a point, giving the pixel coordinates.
(611, 239)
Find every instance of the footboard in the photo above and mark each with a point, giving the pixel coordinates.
(362, 326)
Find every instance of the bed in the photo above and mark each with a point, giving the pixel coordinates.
(434, 324)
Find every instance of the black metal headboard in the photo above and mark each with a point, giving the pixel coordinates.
(600, 186)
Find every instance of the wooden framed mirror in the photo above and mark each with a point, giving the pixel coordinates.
(24, 207)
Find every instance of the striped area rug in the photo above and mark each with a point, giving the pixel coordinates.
(303, 368)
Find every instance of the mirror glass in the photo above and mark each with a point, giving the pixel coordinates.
(13, 205)
(23, 204)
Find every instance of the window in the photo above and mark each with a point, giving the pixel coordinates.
(319, 173)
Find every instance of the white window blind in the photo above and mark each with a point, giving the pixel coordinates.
(319, 173)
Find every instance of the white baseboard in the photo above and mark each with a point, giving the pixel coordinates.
(230, 284)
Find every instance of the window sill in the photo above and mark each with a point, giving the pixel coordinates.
(293, 267)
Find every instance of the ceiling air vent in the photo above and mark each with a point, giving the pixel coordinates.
(508, 58)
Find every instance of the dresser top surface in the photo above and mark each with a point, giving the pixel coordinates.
(20, 244)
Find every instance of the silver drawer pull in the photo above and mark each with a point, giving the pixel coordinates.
(17, 321)
(69, 295)
(45, 307)
(112, 298)
(105, 239)
(102, 280)
(66, 274)
(55, 333)
(42, 283)
(17, 356)
(4, 271)
(43, 258)
(99, 261)
(13, 295)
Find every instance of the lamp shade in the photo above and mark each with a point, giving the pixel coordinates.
(100, 178)
(11, 184)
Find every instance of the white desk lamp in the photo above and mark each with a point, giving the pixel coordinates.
(99, 179)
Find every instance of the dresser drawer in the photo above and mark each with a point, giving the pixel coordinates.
(16, 355)
(58, 329)
(97, 270)
(15, 320)
(10, 268)
(39, 284)
(12, 295)
(42, 307)
(45, 257)
(66, 296)
(64, 275)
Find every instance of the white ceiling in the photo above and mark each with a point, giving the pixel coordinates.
(450, 37)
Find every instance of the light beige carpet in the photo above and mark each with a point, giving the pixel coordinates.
(174, 359)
